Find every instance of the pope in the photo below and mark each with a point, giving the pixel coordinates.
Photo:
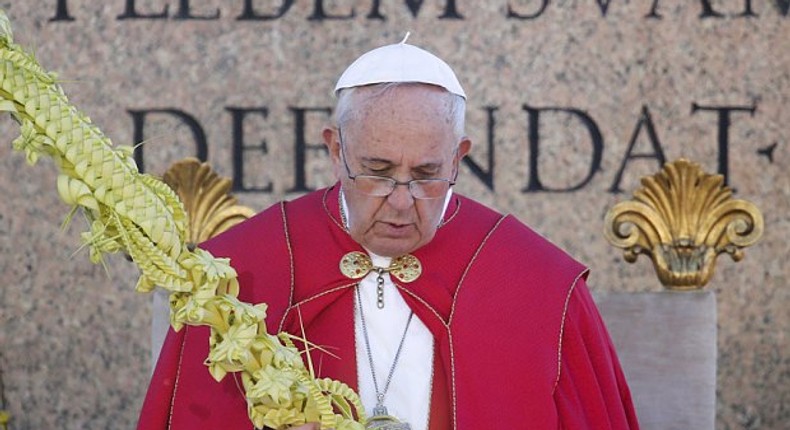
(440, 312)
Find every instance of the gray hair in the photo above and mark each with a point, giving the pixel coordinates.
(347, 110)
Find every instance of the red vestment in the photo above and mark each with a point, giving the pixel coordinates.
(518, 341)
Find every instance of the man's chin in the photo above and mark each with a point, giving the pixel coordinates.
(391, 248)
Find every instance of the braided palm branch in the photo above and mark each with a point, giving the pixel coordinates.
(141, 216)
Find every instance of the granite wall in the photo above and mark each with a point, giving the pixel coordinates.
(611, 88)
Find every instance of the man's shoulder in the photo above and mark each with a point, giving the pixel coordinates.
(269, 219)
(516, 242)
(260, 224)
(523, 237)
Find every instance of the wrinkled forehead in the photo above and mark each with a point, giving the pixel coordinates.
(393, 102)
(410, 126)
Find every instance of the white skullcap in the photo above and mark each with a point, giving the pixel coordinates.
(400, 62)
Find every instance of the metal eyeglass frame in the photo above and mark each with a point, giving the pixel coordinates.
(411, 184)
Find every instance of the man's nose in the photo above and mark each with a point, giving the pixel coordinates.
(401, 197)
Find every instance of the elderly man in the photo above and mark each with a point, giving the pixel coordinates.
(441, 312)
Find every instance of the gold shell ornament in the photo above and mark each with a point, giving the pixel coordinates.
(206, 199)
(683, 218)
(138, 214)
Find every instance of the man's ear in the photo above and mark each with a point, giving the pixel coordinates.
(332, 143)
(463, 148)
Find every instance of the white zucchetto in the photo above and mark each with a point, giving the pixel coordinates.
(399, 62)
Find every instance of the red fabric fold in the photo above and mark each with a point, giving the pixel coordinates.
(591, 380)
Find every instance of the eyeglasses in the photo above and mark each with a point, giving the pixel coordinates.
(383, 186)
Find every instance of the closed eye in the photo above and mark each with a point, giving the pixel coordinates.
(377, 168)
(426, 172)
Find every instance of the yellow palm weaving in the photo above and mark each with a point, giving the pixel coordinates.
(138, 214)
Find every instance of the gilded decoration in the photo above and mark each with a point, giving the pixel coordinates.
(355, 265)
(683, 218)
(210, 207)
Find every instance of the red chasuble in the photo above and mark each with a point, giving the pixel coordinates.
(518, 341)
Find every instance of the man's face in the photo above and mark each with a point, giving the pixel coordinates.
(403, 133)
